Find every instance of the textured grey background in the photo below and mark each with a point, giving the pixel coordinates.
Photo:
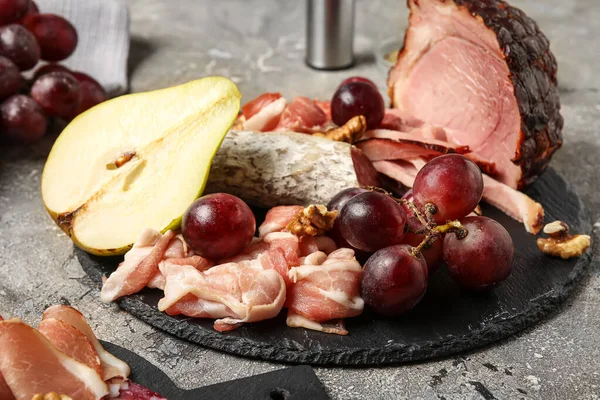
(259, 44)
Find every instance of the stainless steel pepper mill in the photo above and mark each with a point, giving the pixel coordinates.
(329, 33)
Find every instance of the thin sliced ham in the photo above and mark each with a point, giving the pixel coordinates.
(71, 341)
(235, 293)
(112, 367)
(388, 149)
(138, 392)
(303, 115)
(139, 266)
(325, 288)
(277, 219)
(256, 105)
(31, 364)
(267, 118)
(5, 392)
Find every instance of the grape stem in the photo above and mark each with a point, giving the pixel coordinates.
(431, 230)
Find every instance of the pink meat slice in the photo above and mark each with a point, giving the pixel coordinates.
(112, 367)
(138, 392)
(325, 288)
(267, 118)
(139, 266)
(303, 115)
(277, 219)
(313, 244)
(452, 73)
(235, 293)
(72, 342)
(31, 364)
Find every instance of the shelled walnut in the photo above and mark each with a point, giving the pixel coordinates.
(349, 132)
(313, 220)
(560, 243)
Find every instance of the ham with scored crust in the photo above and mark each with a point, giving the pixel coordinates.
(325, 290)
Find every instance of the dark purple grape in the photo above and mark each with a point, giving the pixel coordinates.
(453, 183)
(46, 69)
(22, 120)
(218, 226)
(483, 258)
(57, 36)
(371, 221)
(336, 203)
(12, 10)
(19, 45)
(357, 98)
(58, 93)
(394, 280)
(10, 78)
(432, 253)
(92, 92)
(358, 79)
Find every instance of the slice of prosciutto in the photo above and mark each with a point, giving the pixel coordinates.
(138, 392)
(234, 293)
(263, 113)
(303, 115)
(111, 366)
(31, 364)
(325, 290)
(139, 266)
(278, 218)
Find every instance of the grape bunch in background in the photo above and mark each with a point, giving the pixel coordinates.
(26, 38)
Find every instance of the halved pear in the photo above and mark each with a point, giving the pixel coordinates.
(136, 161)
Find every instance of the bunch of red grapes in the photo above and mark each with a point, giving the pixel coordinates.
(26, 37)
(385, 232)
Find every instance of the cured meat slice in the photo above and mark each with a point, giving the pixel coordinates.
(313, 244)
(514, 203)
(5, 392)
(388, 149)
(325, 288)
(303, 115)
(277, 219)
(325, 106)
(30, 364)
(483, 71)
(267, 118)
(72, 342)
(366, 175)
(234, 292)
(138, 392)
(139, 266)
(254, 106)
(112, 367)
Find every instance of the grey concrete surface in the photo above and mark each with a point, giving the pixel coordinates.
(260, 45)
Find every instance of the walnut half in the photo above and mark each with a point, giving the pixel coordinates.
(349, 132)
(312, 221)
(560, 243)
(51, 396)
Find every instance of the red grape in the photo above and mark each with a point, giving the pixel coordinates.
(453, 183)
(46, 69)
(336, 203)
(33, 8)
(432, 253)
(358, 79)
(22, 120)
(57, 36)
(92, 92)
(218, 226)
(12, 10)
(10, 78)
(483, 258)
(394, 280)
(19, 45)
(357, 98)
(371, 221)
(58, 93)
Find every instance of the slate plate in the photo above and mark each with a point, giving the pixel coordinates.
(447, 321)
(295, 383)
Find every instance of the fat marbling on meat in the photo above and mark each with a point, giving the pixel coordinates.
(483, 71)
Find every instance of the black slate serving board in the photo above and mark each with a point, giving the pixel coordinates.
(447, 321)
(294, 383)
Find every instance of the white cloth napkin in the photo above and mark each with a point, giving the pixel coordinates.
(103, 38)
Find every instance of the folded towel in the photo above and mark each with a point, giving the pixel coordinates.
(103, 38)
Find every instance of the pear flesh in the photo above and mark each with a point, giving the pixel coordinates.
(136, 162)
